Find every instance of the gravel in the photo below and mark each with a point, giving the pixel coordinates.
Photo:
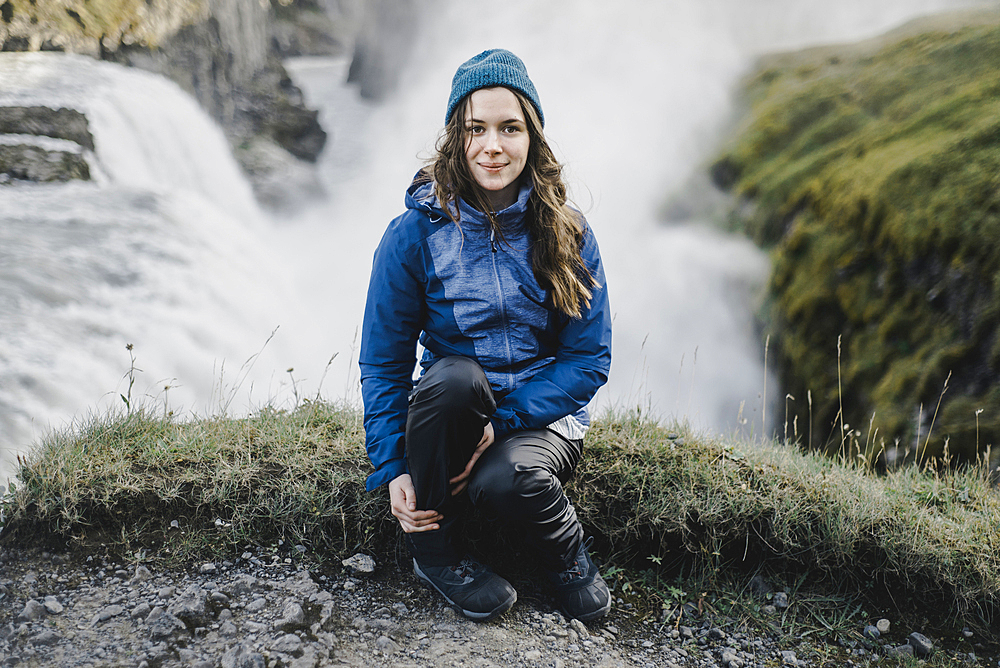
(260, 612)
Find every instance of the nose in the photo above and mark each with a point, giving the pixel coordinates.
(492, 144)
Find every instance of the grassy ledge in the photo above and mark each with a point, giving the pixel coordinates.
(658, 501)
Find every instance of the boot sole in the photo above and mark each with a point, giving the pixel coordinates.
(477, 616)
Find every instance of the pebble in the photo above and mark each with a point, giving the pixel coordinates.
(33, 611)
(359, 564)
(257, 604)
(901, 650)
(883, 625)
(140, 611)
(922, 645)
(109, 612)
(46, 637)
(162, 624)
(52, 605)
(288, 644)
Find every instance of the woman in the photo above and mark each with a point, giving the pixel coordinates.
(502, 284)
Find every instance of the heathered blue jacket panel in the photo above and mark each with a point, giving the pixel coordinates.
(462, 293)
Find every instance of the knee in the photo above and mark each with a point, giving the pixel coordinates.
(504, 488)
(454, 381)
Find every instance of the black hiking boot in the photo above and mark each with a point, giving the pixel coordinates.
(474, 589)
(580, 590)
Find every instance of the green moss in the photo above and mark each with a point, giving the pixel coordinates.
(877, 184)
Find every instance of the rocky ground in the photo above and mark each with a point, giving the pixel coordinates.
(268, 610)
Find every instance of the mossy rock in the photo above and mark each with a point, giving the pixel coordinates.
(875, 175)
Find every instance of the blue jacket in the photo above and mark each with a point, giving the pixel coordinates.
(461, 292)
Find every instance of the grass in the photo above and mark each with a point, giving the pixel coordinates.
(676, 515)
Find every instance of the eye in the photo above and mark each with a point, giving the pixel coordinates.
(511, 129)
(474, 129)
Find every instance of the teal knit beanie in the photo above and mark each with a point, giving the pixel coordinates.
(493, 67)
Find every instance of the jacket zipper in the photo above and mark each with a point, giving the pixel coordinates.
(503, 309)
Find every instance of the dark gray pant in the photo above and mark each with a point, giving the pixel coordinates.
(518, 479)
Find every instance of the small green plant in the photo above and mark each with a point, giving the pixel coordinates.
(130, 375)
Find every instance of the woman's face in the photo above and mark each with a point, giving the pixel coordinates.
(496, 145)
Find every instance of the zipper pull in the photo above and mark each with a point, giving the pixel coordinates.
(493, 245)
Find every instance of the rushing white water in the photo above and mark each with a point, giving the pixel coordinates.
(164, 251)
(167, 250)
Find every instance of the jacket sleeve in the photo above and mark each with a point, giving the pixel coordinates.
(583, 359)
(394, 314)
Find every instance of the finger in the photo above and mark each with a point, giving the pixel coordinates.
(423, 516)
(460, 487)
(417, 528)
(409, 497)
(467, 471)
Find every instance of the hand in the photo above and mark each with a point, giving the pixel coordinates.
(461, 481)
(403, 499)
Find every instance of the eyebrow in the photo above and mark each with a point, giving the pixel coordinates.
(509, 120)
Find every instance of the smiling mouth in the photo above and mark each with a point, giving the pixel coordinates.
(492, 167)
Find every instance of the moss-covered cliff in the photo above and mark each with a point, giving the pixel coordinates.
(874, 177)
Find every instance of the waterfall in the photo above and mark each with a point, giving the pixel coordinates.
(165, 250)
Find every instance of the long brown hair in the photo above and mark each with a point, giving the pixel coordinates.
(556, 229)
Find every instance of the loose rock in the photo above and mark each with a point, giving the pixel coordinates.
(162, 624)
(47, 637)
(288, 644)
(922, 645)
(241, 656)
(901, 650)
(52, 605)
(360, 564)
(33, 611)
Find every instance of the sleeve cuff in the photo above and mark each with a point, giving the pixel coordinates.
(385, 474)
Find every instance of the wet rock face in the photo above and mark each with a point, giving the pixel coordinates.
(43, 145)
(226, 63)
(307, 28)
(26, 162)
(61, 123)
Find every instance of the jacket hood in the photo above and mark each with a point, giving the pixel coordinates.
(421, 197)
